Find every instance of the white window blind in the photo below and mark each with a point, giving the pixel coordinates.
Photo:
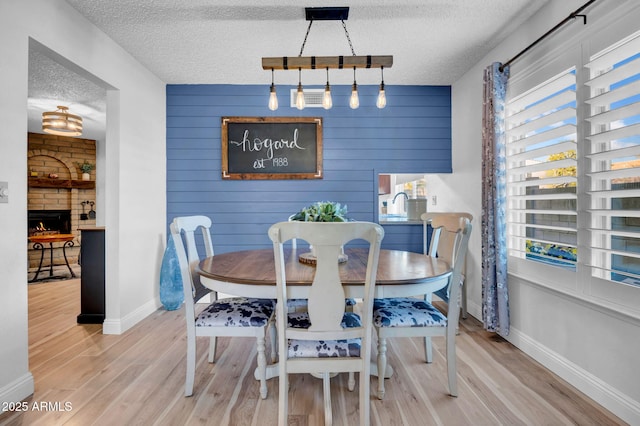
(613, 150)
(541, 172)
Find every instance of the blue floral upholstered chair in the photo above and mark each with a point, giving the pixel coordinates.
(235, 316)
(417, 317)
(326, 338)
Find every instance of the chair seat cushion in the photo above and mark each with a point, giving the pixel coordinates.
(406, 312)
(323, 348)
(236, 312)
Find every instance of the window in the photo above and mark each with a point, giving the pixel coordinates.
(542, 178)
(573, 165)
(613, 153)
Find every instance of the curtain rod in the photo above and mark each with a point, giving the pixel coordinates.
(574, 15)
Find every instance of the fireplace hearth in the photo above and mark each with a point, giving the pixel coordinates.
(48, 222)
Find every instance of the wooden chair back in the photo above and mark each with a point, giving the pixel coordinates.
(183, 231)
(434, 243)
(453, 245)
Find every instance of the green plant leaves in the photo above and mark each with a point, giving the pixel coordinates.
(322, 211)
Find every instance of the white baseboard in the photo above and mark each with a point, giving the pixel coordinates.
(18, 389)
(610, 398)
(120, 325)
(474, 310)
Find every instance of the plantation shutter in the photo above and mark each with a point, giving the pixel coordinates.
(541, 171)
(614, 162)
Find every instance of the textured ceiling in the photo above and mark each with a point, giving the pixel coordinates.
(205, 41)
(433, 42)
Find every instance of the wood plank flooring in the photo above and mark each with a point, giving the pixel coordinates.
(86, 378)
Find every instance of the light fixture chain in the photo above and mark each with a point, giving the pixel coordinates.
(305, 37)
(348, 38)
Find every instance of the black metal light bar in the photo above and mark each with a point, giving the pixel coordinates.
(326, 13)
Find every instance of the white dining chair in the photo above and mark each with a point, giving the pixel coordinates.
(326, 338)
(434, 243)
(233, 316)
(441, 245)
(415, 317)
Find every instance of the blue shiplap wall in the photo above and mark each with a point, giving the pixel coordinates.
(411, 135)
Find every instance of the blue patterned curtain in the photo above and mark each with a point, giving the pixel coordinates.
(495, 295)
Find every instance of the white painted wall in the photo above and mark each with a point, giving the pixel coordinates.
(134, 173)
(594, 349)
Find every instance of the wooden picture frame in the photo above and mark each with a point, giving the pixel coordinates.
(271, 147)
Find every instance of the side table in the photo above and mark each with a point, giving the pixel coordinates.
(39, 242)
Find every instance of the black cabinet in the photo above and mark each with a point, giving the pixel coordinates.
(92, 278)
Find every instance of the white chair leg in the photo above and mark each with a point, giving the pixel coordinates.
(326, 390)
(382, 365)
(273, 334)
(191, 365)
(365, 400)
(428, 350)
(463, 304)
(283, 400)
(262, 366)
(451, 364)
(351, 384)
(212, 349)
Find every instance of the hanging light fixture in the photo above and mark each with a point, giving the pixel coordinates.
(354, 101)
(327, 102)
(62, 123)
(334, 62)
(273, 98)
(300, 94)
(381, 102)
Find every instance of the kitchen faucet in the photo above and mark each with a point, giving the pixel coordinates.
(396, 196)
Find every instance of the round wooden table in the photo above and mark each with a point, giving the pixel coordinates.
(252, 273)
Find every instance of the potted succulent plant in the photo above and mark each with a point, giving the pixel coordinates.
(86, 168)
(322, 211)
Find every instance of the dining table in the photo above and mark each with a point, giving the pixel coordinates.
(252, 273)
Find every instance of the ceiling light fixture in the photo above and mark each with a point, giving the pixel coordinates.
(300, 94)
(381, 102)
(354, 101)
(62, 123)
(334, 62)
(327, 102)
(273, 98)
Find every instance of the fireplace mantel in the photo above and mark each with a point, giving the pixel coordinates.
(61, 183)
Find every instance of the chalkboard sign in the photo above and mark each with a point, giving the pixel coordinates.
(271, 148)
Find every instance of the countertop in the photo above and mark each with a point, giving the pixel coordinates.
(396, 219)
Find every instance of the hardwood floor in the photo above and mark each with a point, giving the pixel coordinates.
(83, 377)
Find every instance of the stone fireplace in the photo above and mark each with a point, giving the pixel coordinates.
(58, 199)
